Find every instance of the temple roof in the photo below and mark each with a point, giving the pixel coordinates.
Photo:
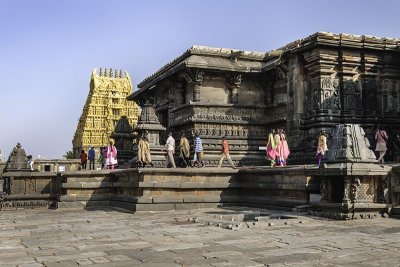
(226, 59)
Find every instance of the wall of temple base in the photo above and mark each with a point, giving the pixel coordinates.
(29, 190)
(168, 189)
(339, 191)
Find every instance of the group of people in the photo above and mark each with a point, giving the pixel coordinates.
(277, 151)
(184, 151)
(107, 157)
(277, 148)
(144, 155)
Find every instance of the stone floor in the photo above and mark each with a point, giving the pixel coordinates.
(215, 237)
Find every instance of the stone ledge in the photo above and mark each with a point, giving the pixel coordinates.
(72, 198)
(84, 185)
(188, 185)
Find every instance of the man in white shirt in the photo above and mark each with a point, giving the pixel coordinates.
(170, 146)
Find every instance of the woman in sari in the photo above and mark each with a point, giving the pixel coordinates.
(271, 149)
(284, 149)
(111, 161)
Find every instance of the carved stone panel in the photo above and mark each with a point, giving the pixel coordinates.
(352, 95)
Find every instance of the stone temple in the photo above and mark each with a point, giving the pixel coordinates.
(342, 83)
(105, 105)
(310, 84)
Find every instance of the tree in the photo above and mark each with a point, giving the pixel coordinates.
(69, 155)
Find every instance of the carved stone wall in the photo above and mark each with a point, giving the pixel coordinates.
(308, 85)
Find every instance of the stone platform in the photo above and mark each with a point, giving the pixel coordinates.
(339, 191)
(158, 189)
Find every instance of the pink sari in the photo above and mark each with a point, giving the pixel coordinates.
(111, 161)
(284, 148)
(271, 149)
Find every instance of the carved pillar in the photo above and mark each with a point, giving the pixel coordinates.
(234, 81)
(196, 93)
(346, 190)
(195, 77)
(179, 94)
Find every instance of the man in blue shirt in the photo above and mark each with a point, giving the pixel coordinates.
(198, 149)
(91, 157)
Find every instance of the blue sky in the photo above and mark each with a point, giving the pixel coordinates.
(48, 49)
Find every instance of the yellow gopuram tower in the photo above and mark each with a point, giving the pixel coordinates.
(105, 105)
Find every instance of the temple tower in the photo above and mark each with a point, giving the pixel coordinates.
(104, 107)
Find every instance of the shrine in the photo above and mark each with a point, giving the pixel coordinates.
(105, 105)
(303, 87)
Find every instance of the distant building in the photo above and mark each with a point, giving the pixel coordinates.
(311, 84)
(104, 107)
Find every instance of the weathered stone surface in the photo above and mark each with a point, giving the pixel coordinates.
(111, 238)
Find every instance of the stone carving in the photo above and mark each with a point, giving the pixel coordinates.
(17, 160)
(234, 81)
(324, 191)
(330, 91)
(355, 184)
(4, 205)
(346, 190)
(349, 144)
(194, 76)
(352, 95)
(123, 139)
(150, 126)
(382, 190)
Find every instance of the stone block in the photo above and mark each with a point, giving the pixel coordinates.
(155, 207)
(167, 200)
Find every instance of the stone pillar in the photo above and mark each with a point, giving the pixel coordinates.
(195, 77)
(346, 190)
(179, 94)
(196, 93)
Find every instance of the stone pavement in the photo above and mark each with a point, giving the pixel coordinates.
(212, 237)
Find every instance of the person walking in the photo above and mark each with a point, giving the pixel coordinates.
(225, 153)
(170, 146)
(30, 162)
(271, 149)
(91, 157)
(84, 158)
(111, 153)
(321, 147)
(381, 138)
(284, 148)
(103, 157)
(184, 151)
(144, 156)
(198, 149)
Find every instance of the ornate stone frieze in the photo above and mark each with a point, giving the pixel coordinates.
(24, 204)
(229, 114)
